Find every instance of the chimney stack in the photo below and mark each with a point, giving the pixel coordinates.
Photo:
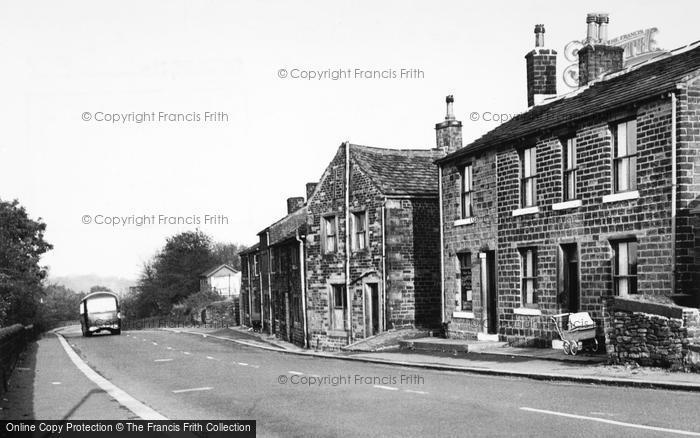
(294, 204)
(310, 187)
(449, 133)
(541, 66)
(597, 57)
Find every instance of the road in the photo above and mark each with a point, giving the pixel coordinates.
(184, 376)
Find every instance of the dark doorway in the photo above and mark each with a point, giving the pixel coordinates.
(491, 293)
(570, 292)
(372, 303)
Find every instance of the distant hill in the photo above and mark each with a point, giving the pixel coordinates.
(83, 283)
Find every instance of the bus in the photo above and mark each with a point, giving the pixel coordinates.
(99, 311)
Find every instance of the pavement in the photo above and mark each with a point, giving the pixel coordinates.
(532, 363)
(230, 374)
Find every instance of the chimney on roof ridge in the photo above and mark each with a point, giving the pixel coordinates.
(598, 57)
(448, 134)
(541, 68)
(294, 204)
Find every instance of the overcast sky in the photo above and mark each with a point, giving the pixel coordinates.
(61, 60)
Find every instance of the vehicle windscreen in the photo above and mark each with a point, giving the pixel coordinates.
(101, 304)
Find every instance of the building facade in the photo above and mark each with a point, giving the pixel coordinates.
(372, 251)
(591, 194)
(222, 279)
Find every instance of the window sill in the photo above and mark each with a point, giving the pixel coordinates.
(526, 210)
(465, 221)
(460, 314)
(624, 196)
(567, 205)
(527, 311)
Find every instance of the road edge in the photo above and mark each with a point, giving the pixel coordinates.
(119, 395)
(606, 381)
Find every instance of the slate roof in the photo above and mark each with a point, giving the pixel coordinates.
(286, 227)
(651, 78)
(399, 171)
(215, 269)
(250, 250)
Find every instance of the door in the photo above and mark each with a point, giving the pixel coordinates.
(372, 308)
(570, 286)
(491, 293)
(338, 307)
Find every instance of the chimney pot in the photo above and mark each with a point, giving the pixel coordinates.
(450, 110)
(592, 28)
(539, 35)
(598, 57)
(602, 21)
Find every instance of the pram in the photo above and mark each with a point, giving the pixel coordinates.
(574, 329)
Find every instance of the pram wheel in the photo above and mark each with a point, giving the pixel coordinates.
(574, 348)
(567, 348)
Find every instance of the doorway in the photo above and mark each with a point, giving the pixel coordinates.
(373, 309)
(491, 293)
(570, 278)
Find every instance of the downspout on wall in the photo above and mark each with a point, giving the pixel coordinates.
(382, 302)
(348, 298)
(302, 274)
(269, 275)
(674, 188)
(442, 250)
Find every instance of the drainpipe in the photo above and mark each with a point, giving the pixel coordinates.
(348, 298)
(269, 275)
(302, 274)
(674, 188)
(250, 291)
(442, 249)
(382, 302)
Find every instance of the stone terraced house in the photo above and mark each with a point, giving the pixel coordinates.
(586, 195)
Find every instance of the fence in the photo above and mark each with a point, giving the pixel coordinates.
(13, 340)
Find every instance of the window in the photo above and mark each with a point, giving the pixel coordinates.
(569, 164)
(256, 265)
(244, 266)
(465, 280)
(338, 306)
(625, 267)
(467, 191)
(625, 156)
(274, 255)
(295, 258)
(359, 230)
(528, 276)
(329, 234)
(528, 183)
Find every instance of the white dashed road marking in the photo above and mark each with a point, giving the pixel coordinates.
(414, 391)
(162, 360)
(296, 372)
(55, 383)
(203, 388)
(186, 352)
(124, 399)
(211, 358)
(613, 422)
(388, 388)
(154, 343)
(242, 364)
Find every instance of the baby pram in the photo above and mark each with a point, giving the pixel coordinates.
(577, 331)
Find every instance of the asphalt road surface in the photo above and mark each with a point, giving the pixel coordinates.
(184, 376)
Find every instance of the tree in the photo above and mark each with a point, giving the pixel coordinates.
(21, 247)
(98, 288)
(227, 253)
(60, 304)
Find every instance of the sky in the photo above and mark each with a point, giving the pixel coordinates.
(68, 66)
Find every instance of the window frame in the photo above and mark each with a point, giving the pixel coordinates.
(569, 168)
(525, 279)
(630, 159)
(466, 295)
(358, 235)
(632, 287)
(467, 189)
(528, 154)
(256, 265)
(325, 220)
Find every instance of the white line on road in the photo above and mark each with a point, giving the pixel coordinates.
(203, 388)
(154, 343)
(186, 352)
(116, 393)
(242, 364)
(162, 360)
(211, 358)
(55, 383)
(296, 372)
(255, 366)
(616, 423)
(169, 348)
(389, 388)
(413, 391)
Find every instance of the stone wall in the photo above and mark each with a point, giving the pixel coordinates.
(648, 340)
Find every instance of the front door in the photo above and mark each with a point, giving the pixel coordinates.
(491, 293)
(569, 268)
(372, 308)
